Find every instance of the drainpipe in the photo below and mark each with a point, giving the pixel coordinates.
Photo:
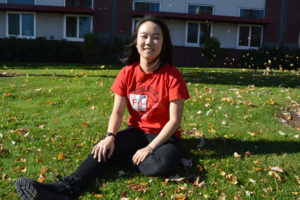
(112, 20)
(282, 24)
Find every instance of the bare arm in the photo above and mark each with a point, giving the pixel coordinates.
(107, 144)
(176, 111)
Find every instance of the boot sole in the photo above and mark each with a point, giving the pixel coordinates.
(26, 189)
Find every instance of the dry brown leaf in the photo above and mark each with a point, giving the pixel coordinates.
(42, 178)
(247, 153)
(277, 177)
(232, 178)
(43, 171)
(98, 196)
(61, 156)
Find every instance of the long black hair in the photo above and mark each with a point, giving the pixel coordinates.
(166, 54)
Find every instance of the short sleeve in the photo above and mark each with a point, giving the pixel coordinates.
(177, 87)
(119, 85)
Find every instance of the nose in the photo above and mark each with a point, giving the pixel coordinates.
(148, 40)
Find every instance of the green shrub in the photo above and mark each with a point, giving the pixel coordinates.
(271, 57)
(39, 50)
(211, 49)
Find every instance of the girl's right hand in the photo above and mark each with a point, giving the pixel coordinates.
(107, 145)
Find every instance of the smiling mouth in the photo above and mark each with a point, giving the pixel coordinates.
(148, 49)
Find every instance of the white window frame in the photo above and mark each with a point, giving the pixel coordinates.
(141, 1)
(264, 15)
(198, 36)
(75, 39)
(91, 8)
(33, 4)
(249, 41)
(20, 28)
(194, 4)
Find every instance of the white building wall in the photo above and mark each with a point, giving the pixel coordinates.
(49, 24)
(221, 7)
(2, 24)
(226, 34)
(177, 31)
(50, 2)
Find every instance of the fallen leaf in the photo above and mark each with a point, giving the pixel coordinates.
(252, 180)
(98, 196)
(43, 171)
(199, 184)
(232, 178)
(282, 133)
(176, 178)
(277, 169)
(61, 156)
(50, 103)
(42, 126)
(42, 178)
(236, 155)
(274, 174)
(271, 102)
(247, 153)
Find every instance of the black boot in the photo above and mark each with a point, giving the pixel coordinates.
(68, 188)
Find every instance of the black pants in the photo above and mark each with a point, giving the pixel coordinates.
(163, 161)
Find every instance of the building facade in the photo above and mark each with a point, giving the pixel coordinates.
(237, 24)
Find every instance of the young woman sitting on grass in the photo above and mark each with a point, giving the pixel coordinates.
(154, 92)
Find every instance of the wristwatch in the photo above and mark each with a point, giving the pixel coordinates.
(110, 134)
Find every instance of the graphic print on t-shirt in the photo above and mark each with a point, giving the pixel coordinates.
(138, 102)
(143, 97)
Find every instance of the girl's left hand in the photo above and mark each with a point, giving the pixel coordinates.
(141, 155)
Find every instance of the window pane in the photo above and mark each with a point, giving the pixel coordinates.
(205, 30)
(79, 3)
(84, 26)
(27, 2)
(71, 27)
(192, 33)
(27, 24)
(252, 13)
(13, 24)
(201, 10)
(146, 6)
(255, 36)
(244, 35)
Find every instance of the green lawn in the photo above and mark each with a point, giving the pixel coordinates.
(51, 116)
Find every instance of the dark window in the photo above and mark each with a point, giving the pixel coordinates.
(84, 26)
(27, 24)
(255, 36)
(13, 24)
(21, 24)
(250, 36)
(77, 27)
(192, 34)
(251, 13)
(79, 3)
(71, 27)
(205, 29)
(145, 6)
(27, 2)
(200, 10)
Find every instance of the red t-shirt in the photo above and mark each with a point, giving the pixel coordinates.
(149, 95)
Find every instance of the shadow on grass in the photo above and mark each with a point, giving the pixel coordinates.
(257, 78)
(245, 78)
(222, 148)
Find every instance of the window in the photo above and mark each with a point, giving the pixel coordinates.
(195, 32)
(79, 3)
(21, 25)
(200, 10)
(26, 2)
(146, 6)
(77, 26)
(251, 13)
(249, 36)
(134, 23)
(299, 41)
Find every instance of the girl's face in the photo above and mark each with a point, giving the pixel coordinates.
(149, 41)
